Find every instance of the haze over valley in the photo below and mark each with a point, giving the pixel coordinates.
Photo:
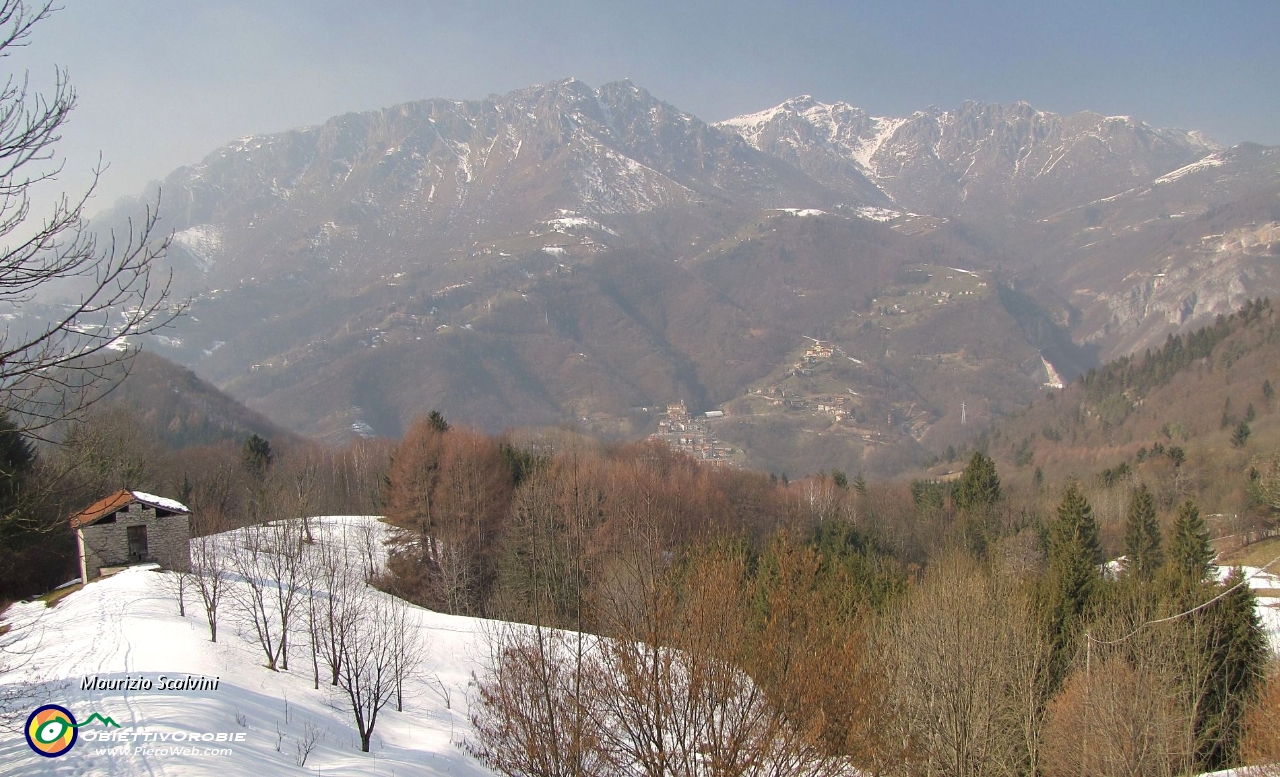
(569, 254)
(819, 389)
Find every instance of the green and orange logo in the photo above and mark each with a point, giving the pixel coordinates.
(52, 730)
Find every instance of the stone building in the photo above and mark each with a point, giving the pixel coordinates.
(131, 527)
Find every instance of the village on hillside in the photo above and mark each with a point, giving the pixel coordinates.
(689, 433)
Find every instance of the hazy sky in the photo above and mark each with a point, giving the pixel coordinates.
(163, 82)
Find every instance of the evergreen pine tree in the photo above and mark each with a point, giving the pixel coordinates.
(1069, 586)
(1074, 552)
(860, 485)
(1142, 535)
(979, 485)
(256, 455)
(1241, 435)
(17, 458)
(1233, 647)
(1189, 551)
(436, 419)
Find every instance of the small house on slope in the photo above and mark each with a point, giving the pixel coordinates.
(132, 527)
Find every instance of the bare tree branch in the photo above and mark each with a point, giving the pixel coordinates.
(51, 365)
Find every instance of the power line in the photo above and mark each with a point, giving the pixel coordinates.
(1243, 581)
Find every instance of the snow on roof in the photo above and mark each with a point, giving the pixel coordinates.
(161, 502)
(109, 504)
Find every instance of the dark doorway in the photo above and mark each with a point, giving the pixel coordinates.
(137, 543)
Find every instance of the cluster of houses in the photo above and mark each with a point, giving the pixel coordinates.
(689, 433)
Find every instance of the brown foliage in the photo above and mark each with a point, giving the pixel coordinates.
(966, 671)
(667, 695)
(1262, 731)
(451, 490)
(1117, 718)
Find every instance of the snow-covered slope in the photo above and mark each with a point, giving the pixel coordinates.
(128, 626)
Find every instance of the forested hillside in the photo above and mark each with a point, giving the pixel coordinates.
(1194, 417)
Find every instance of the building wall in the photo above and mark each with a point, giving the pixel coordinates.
(168, 540)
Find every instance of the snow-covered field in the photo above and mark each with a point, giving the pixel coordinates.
(128, 626)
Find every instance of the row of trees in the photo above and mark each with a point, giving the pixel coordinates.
(818, 647)
(522, 529)
(286, 582)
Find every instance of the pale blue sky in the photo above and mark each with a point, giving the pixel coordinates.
(163, 82)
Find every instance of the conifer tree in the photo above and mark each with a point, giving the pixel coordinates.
(1234, 651)
(1142, 535)
(17, 458)
(436, 419)
(1189, 551)
(1072, 579)
(1241, 435)
(256, 455)
(1074, 553)
(979, 485)
(860, 485)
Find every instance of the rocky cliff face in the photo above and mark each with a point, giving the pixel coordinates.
(564, 253)
(1166, 255)
(437, 173)
(983, 161)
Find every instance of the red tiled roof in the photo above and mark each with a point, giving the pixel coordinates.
(108, 505)
(101, 508)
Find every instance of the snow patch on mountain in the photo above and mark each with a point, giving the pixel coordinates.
(878, 214)
(1213, 160)
(803, 212)
(866, 148)
(203, 242)
(567, 220)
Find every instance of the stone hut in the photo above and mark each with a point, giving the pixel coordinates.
(131, 527)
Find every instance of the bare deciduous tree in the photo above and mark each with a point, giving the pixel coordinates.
(534, 717)
(268, 558)
(380, 646)
(1262, 731)
(49, 366)
(178, 582)
(209, 570)
(1117, 717)
(666, 694)
(964, 662)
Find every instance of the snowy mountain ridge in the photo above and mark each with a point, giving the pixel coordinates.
(935, 160)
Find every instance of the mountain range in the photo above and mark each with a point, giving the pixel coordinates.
(572, 255)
